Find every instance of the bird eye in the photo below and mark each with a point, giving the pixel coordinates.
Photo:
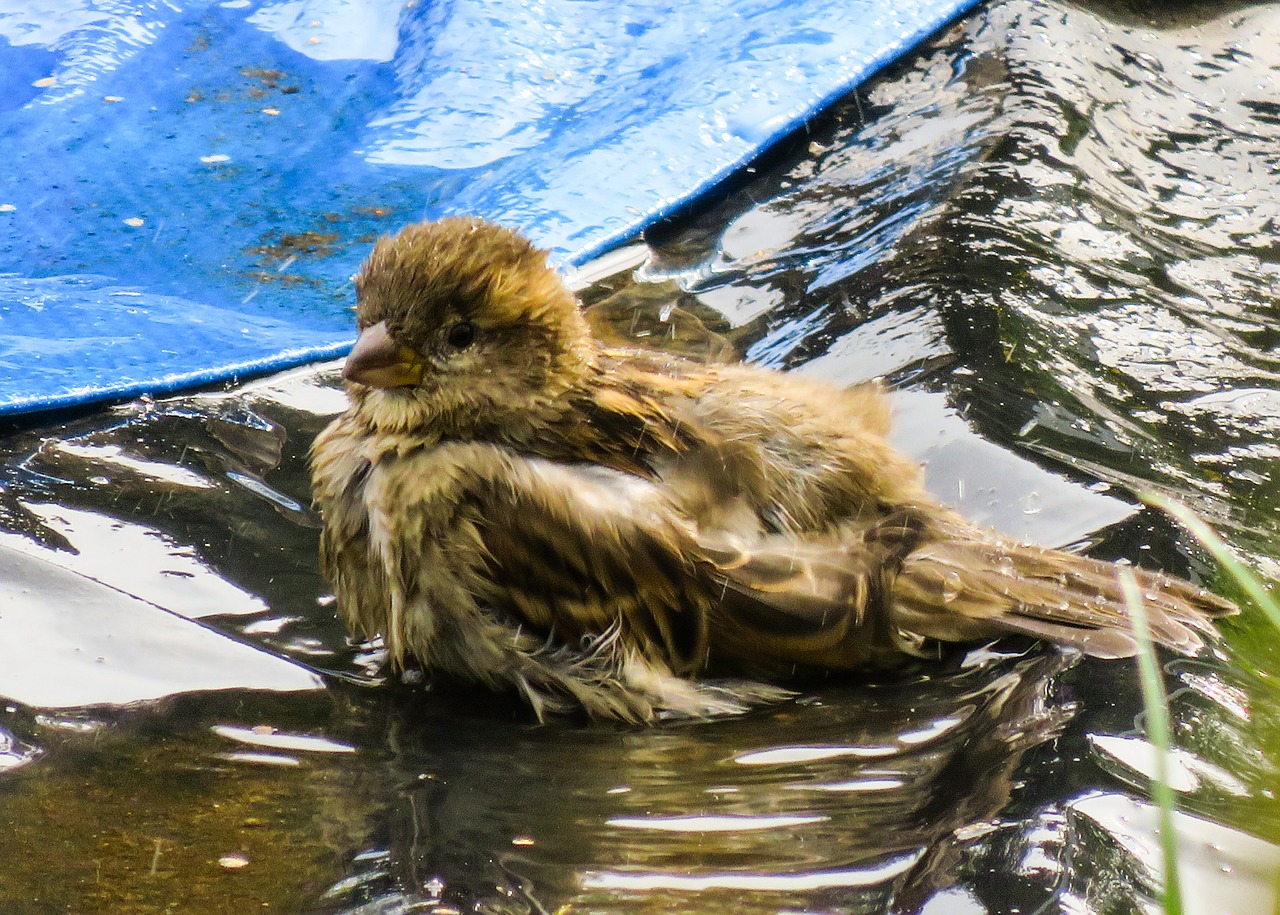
(461, 335)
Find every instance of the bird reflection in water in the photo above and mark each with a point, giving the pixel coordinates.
(860, 798)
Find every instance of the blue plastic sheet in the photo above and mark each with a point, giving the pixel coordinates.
(187, 188)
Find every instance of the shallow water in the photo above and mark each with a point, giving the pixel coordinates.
(1051, 232)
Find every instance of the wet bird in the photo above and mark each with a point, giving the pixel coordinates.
(510, 502)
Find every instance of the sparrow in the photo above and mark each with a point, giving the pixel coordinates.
(510, 502)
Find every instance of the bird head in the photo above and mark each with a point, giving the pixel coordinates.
(462, 326)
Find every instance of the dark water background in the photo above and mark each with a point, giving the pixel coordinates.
(1053, 231)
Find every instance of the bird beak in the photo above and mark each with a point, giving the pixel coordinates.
(379, 361)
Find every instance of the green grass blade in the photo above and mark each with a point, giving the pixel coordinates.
(1250, 582)
(1160, 734)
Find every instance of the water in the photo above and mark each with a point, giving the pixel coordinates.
(1051, 232)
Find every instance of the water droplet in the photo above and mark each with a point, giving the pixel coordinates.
(951, 586)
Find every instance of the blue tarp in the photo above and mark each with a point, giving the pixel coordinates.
(188, 187)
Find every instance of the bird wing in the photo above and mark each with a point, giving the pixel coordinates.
(580, 551)
(789, 603)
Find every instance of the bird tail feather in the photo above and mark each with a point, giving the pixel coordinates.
(970, 584)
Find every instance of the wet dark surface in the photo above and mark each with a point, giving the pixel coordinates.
(1053, 233)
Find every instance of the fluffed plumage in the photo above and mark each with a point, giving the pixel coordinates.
(512, 503)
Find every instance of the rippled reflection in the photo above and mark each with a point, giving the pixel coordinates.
(1051, 233)
(854, 800)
